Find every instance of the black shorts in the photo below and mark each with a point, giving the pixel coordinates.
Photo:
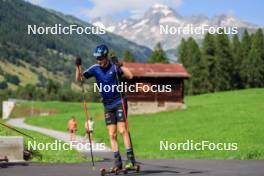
(114, 115)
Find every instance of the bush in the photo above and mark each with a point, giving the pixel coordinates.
(12, 79)
(3, 85)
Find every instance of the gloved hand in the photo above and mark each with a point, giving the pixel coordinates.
(115, 61)
(78, 61)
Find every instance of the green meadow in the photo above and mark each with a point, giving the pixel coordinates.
(225, 117)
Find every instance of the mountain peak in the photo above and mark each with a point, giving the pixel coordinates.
(146, 30)
(159, 11)
(159, 6)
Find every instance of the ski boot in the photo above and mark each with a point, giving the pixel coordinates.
(117, 166)
(113, 170)
(131, 164)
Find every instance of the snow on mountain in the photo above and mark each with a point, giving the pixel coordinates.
(140, 24)
(146, 30)
(161, 8)
(224, 20)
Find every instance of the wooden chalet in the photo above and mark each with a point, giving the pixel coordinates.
(156, 74)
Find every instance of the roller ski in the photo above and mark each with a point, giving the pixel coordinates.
(131, 164)
(132, 167)
(116, 171)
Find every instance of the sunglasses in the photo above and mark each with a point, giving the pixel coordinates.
(100, 58)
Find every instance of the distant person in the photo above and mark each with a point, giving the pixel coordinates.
(89, 129)
(72, 127)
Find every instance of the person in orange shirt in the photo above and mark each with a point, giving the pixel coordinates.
(72, 127)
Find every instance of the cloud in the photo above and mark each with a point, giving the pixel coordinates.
(133, 7)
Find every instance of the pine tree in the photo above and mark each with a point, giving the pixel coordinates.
(182, 50)
(199, 71)
(183, 59)
(190, 56)
(237, 58)
(128, 56)
(255, 69)
(158, 55)
(209, 52)
(245, 46)
(224, 63)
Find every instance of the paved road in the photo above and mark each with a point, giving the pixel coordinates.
(149, 167)
(159, 167)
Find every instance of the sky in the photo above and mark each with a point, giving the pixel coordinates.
(250, 11)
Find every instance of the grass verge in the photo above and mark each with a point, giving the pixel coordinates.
(225, 117)
(48, 156)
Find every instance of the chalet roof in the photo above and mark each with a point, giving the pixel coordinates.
(157, 70)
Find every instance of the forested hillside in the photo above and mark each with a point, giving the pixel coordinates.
(35, 58)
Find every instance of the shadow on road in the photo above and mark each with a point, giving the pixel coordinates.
(162, 172)
(149, 172)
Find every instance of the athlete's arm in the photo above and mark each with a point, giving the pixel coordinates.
(78, 73)
(127, 73)
(78, 64)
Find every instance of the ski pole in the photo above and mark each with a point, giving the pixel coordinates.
(78, 63)
(89, 135)
(11, 128)
(122, 101)
(123, 106)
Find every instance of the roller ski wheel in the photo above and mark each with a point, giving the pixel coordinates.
(111, 171)
(103, 172)
(125, 171)
(137, 167)
(131, 167)
(115, 171)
